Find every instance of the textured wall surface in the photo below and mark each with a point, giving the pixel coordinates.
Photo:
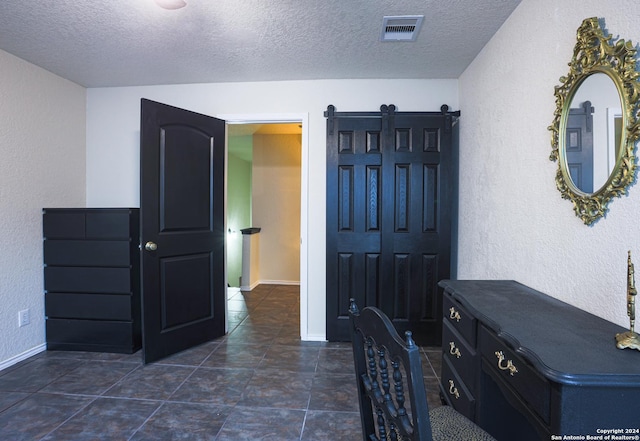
(42, 164)
(513, 223)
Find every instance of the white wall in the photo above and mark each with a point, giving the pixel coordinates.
(276, 206)
(113, 119)
(513, 223)
(42, 164)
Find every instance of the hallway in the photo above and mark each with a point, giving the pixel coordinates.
(259, 382)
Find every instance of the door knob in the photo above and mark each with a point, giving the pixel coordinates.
(150, 246)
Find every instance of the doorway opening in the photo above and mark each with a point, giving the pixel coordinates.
(259, 150)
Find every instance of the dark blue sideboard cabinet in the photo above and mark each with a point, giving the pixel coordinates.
(526, 366)
(92, 279)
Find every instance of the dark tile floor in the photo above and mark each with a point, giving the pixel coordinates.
(259, 382)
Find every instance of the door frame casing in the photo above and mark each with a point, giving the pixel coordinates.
(278, 118)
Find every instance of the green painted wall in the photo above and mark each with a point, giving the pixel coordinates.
(238, 202)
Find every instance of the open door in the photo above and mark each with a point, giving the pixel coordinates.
(181, 228)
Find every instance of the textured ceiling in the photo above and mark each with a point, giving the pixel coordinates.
(134, 42)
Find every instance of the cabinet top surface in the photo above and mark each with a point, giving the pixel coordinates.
(565, 343)
(89, 210)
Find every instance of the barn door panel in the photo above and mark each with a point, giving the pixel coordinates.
(390, 196)
(354, 218)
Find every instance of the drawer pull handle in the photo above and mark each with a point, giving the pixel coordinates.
(509, 366)
(454, 315)
(453, 390)
(453, 350)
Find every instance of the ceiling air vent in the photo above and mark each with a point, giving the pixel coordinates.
(401, 27)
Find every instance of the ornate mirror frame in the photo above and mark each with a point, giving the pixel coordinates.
(595, 52)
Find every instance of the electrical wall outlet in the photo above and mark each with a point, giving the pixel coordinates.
(24, 317)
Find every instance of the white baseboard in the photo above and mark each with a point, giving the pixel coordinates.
(314, 337)
(23, 356)
(280, 282)
(249, 287)
(269, 282)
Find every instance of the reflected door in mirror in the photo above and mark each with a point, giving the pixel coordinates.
(579, 146)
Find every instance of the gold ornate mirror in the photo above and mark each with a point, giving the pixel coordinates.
(595, 126)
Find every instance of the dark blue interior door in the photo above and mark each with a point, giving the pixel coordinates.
(579, 146)
(182, 228)
(391, 196)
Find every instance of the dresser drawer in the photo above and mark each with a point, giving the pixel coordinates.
(459, 319)
(107, 224)
(61, 223)
(456, 392)
(87, 253)
(460, 355)
(516, 373)
(87, 279)
(93, 332)
(65, 224)
(88, 306)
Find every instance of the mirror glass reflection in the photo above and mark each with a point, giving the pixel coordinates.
(593, 133)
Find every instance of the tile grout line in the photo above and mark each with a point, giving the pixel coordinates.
(70, 417)
(229, 419)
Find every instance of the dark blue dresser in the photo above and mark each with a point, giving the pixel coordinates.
(92, 279)
(526, 366)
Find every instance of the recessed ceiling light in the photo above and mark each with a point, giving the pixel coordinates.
(171, 4)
